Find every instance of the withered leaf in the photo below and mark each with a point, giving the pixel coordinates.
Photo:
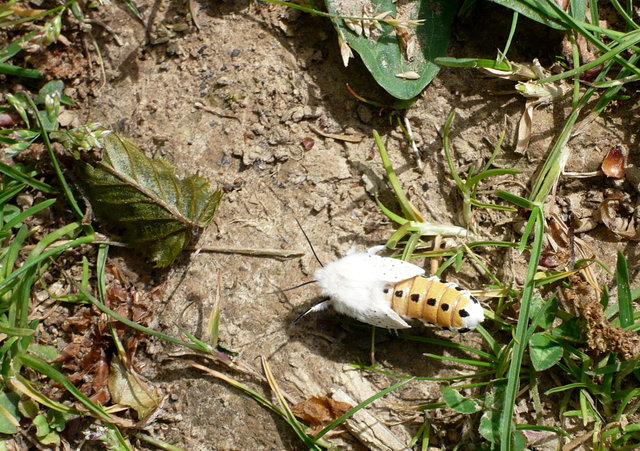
(320, 410)
(129, 389)
(602, 336)
(158, 211)
(612, 215)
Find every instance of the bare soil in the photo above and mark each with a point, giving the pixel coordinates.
(234, 99)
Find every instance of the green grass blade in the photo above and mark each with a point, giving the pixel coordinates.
(374, 369)
(491, 173)
(405, 205)
(11, 255)
(22, 177)
(520, 345)
(479, 363)
(196, 346)
(34, 260)
(17, 71)
(57, 376)
(9, 193)
(516, 200)
(20, 384)
(624, 292)
(17, 219)
(66, 189)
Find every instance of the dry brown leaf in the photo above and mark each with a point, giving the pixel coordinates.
(524, 127)
(610, 214)
(129, 389)
(614, 164)
(319, 411)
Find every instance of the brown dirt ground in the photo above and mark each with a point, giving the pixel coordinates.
(268, 75)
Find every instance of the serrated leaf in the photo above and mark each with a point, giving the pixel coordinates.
(158, 211)
(459, 403)
(544, 353)
(391, 66)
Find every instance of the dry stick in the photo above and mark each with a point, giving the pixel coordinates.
(347, 138)
(192, 11)
(435, 262)
(259, 252)
(216, 111)
(414, 147)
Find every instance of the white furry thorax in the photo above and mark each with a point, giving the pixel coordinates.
(355, 286)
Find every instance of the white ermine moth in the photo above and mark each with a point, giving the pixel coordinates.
(383, 291)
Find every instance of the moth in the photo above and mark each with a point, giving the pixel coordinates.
(385, 292)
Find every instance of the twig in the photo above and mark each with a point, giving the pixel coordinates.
(215, 111)
(347, 138)
(260, 252)
(414, 147)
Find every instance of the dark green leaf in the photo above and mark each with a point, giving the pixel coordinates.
(459, 403)
(544, 353)
(382, 54)
(158, 211)
(51, 88)
(57, 420)
(569, 330)
(537, 10)
(543, 312)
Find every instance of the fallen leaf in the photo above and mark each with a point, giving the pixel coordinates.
(320, 410)
(610, 210)
(129, 389)
(158, 211)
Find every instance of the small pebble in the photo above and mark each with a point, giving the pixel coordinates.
(235, 53)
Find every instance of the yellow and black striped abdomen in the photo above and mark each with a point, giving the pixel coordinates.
(435, 302)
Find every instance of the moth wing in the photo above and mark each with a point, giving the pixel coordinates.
(391, 270)
(385, 318)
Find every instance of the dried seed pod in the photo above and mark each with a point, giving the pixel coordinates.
(614, 164)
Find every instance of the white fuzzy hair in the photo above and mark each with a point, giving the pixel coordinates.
(355, 284)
